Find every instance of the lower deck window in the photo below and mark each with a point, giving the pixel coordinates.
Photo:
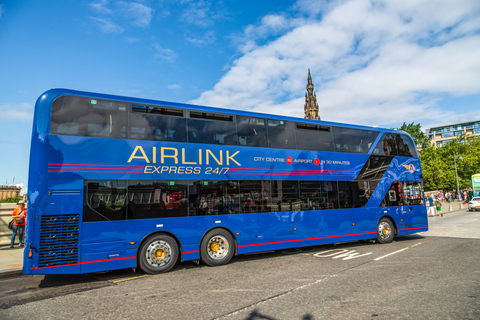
(110, 200)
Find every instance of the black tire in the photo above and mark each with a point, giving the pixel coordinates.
(158, 254)
(217, 247)
(385, 230)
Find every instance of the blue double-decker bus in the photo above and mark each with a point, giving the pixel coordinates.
(118, 182)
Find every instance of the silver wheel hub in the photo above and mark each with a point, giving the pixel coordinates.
(217, 247)
(384, 230)
(158, 253)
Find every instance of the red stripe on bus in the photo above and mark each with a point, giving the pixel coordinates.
(307, 239)
(412, 228)
(306, 170)
(85, 262)
(321, 170)
(98, 165)
(94, 171)
(92, 168)
(294, 174)
(193, 251)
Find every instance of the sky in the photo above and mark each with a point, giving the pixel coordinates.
(373, 62)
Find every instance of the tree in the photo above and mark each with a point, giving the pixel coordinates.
(415, 130)
(438, 165)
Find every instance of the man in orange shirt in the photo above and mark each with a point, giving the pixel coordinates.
(19, 215)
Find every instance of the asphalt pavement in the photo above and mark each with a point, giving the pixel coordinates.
(11, 259)
(431, 275)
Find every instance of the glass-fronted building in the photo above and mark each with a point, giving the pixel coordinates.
(444, 134)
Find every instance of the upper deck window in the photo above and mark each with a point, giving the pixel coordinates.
(395, 144)
(210, 116)
(406, 147)
(157, 110)
(88, 117)
(314, 137)
(211, 128)
(82, 116)
(281, 134)
(157, 123)
(252, 131)
(387, 145)
(353, 140)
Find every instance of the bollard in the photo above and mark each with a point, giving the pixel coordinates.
(450, 208)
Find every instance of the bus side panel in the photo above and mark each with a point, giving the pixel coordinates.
(412, 219)
(57, 233)
(29, 237)
(104, 246)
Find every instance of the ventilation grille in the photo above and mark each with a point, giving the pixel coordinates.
(58, 240)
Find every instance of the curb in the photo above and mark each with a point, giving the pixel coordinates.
(11, 274)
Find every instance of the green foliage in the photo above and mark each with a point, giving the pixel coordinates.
(10, 200)
(415, 130)
(438, 164)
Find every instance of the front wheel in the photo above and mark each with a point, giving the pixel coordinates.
(158, 254)
(385, 230)
(217, 248)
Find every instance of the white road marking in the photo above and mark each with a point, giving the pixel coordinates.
(392, 253)
(395, 252)
(341, 253)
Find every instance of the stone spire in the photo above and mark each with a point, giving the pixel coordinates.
(311, 105)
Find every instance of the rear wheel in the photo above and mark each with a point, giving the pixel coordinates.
(159, 253)
(217, 247)
(385, 230)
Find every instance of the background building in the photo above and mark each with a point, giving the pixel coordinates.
(9, 192)
(311, 105)
(443, 134)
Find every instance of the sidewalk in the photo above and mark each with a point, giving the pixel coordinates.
(11, 261)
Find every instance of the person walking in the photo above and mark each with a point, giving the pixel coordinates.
(438, 204)
(19, 215)
(431, 208)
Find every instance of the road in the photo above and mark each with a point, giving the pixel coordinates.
(433, 275)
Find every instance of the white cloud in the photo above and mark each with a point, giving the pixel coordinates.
(202, 13)
(101, 7)
(132, 40)
(174, 86)
(138, 14)
(387, 60)
(1, 10)
(113, 16)
(16, 112)
(206, 39)
(108, 26)
(164, 54)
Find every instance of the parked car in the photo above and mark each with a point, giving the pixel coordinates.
(474, 204)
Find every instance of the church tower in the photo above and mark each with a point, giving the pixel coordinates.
(311, 105)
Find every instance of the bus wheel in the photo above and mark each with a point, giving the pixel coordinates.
(217, 248)
(385, 230)
(158, 254)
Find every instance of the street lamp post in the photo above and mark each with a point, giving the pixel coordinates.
(455, 156)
